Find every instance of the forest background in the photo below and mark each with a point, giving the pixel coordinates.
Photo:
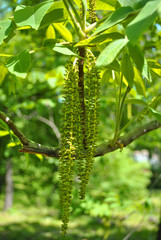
(123, 195)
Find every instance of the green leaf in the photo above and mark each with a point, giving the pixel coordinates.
(5, 29)
(143, 20)
(118, 16)
(135, 4)
(3, 133)
(139, 83)
(127, 69)
(63, 31)
(100, 39)
(154, 64)
(156, 114)
(109, 54)
(105, 5)
(20, 64)
(56, 13)
(50, 32)
(135, 101)
(64, 50)
(3, 72)
(31, 15)
(140, 61)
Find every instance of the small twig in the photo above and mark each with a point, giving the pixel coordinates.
(134, 230)
(51, 124)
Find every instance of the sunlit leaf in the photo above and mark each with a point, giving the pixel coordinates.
(5, 29)
(31, 15)
(64, 50)
(136, 4)
(143, 20)
(139, 83)
(50, 32)
(3, 73)
(100, 38)
(108, 55)
(20, 64)
(63, 31)
(3, 133)
(118, 16)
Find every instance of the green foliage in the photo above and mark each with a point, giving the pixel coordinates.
(115, 194)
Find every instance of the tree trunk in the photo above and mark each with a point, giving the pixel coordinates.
(9, 186)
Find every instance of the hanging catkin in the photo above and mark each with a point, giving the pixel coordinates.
(67, 150)
(92, 84)
(79, 129)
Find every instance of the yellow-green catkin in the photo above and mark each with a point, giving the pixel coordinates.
(92, 13)
(92, 86)
(67, 149)
(78, 132)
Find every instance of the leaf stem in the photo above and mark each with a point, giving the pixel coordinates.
(77, 25)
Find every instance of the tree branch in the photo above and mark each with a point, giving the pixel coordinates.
(28, 145)
(107, 147)
(126, 139)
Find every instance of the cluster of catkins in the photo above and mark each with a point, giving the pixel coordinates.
(79, 130)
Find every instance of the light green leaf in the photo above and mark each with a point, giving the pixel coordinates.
(136, 4)
(118, 16)
(50, 32)
(143, 20)
(63, 31)
(64, 50)
(20, 64)
(3, 73)
(31, 15)
(109, 54)
(100, 39)
(127, 69)
(157, 71)
(3, 133)
(135, 101)
(13, 144)
(156, 114)
(154, 64)
(5, 29)
(105, 5)
(139, 83)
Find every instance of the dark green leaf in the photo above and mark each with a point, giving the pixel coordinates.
(127, 69)
(56, 13)
(156, 114)
(143, 20)
(20, 64)
(109, 54)
(140, 61)
(118, 16)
